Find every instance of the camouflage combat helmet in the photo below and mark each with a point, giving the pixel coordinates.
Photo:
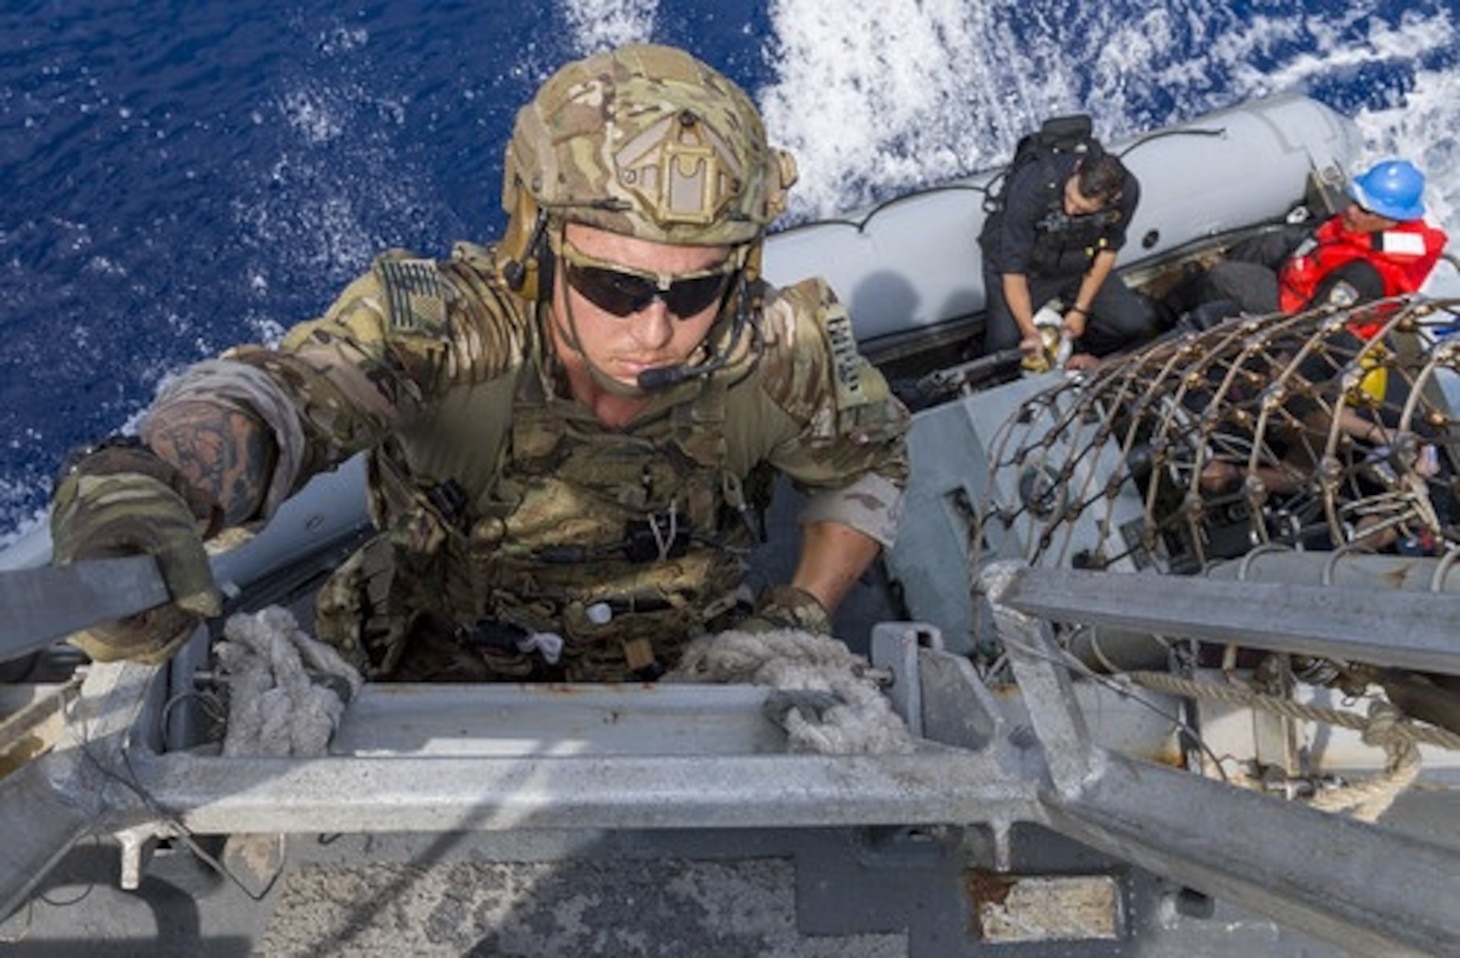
(645, 141)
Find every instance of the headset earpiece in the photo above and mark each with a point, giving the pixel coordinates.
(521, 251)
(532, 275)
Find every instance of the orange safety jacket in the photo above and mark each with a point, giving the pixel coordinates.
(1403, 255)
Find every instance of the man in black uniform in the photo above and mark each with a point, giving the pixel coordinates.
(1063, 222)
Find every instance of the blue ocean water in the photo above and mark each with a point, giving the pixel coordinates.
(182, 175)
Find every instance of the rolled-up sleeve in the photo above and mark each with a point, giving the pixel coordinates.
(832, 424)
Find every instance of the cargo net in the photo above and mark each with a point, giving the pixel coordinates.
(1326, 430)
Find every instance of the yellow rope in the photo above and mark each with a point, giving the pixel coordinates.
(1370, 799)
(1235, 695)
(1384, 727)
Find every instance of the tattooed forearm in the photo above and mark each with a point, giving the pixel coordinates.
(223, 451)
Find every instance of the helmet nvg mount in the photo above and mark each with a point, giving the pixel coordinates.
(645, 141)
(1394, 189)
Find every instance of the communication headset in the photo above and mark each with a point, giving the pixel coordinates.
(745, 318)
(525, 253)
(528, 267)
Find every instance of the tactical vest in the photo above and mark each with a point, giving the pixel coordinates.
(1064, 245)
(516, 510)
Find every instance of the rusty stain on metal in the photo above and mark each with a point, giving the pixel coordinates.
(985, 887)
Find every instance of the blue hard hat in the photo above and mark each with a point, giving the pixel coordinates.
(1393, 188)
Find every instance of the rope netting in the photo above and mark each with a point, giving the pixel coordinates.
(1294, 430)
(1326, 431)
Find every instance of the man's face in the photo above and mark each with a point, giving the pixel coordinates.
(1357, 219)
(1077, 203)
(628, 330)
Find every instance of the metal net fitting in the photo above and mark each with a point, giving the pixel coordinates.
(1324, 430)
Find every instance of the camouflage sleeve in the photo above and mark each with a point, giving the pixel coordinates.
(830, 421)
(233, 415)
(339, 384)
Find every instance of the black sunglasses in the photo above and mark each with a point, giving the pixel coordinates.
(623, 291)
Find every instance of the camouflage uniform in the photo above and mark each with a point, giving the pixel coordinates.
(512, 520)
(508, 510)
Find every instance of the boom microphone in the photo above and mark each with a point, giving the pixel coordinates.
(662, 377)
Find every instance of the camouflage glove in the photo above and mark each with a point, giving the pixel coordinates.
(123, 500)
(787, 607)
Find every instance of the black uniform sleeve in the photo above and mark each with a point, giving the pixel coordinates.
(1130, 198)
(1026, 200)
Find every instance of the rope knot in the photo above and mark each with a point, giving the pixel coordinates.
(827, 699)
(1384, 727)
